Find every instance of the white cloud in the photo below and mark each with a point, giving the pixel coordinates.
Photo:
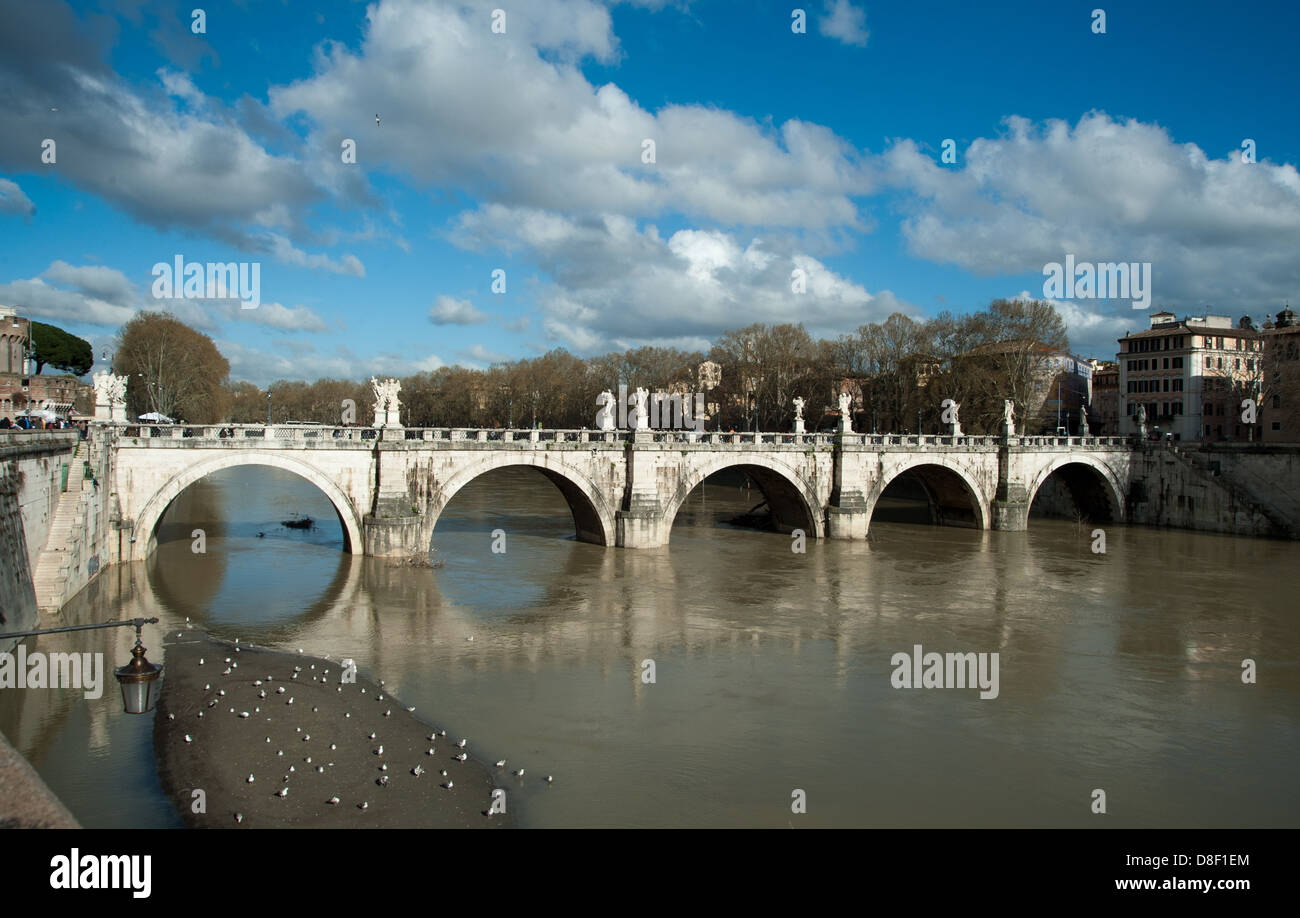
(615, 284)
(507, 120)
(14, 201)
(449, 311)
(1094, 332)
(284, 251)
(844, 22)
(1107, 190)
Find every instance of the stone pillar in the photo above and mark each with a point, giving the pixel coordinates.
(847, 515)
(396, 528)
(640, 522)
(1011, 505)
(798, 425)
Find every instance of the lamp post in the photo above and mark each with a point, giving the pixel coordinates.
(509, 394)
(268, 407)
(138, 679)
(534, 409)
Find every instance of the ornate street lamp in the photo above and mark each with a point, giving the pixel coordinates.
(139, 678)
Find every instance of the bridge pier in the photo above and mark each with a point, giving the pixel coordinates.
(1011, 500)
(848, 513)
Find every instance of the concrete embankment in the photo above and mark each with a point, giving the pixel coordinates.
(25, 800)
(32, 465)
(311, 734)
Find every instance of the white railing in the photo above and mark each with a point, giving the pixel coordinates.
(325, 436)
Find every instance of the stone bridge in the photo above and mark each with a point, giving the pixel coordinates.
(389, 485)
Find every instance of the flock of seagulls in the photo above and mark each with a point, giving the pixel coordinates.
(383, 779)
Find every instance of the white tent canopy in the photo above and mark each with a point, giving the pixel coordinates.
(156, 418)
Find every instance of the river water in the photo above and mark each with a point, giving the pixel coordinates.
(772, 668)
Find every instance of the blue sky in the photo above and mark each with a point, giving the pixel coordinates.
(523, 151)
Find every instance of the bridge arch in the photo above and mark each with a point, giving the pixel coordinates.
(1099, 474)
(593, 518)
(950, 472)
(793, 501)
(146, 521)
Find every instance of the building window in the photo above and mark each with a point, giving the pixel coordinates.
(1166, 383)
(1166, 363)
(1178, 385)
(1277, 401)
(1277, 425)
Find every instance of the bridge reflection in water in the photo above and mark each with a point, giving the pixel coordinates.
(772, 667)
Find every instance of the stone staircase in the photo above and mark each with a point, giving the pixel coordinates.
(51, 567)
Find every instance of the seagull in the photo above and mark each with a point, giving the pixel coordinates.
(250, 779)
(305, 737)
(443, 772)
(262, 693)
(221, 692)
(501, 764)
(226, 672)
(257, 682)
(332, 800)
(549, 779)
(411, 709)
(320, 769)
(383, 768)
(208, 687)
(417, 771)
(519, 773)
(290, 701)
(388, 713)
(449, 785)
(460, 758)
(200, 661)
(239, 817)
(243, 714)
(171, 716)
(362, 805)
(333, 747)
(372, 736)
(461, 744)
(307, 760)
(442, 732)
(282, 792)
(286, 777)
(379, 751)
(430, 752)
(280, 752)
(382, 781)
(188, 738)
(280, 690)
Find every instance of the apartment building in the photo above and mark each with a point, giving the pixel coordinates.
(1191, 374)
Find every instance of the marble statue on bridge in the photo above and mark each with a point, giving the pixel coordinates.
(1008, 418)
(605, 416)
(798, 415)
(846, 413)
(387, 406)
(641, 409)
(1140, 419)
(956, 421)
(110, 396)
(1083, 423)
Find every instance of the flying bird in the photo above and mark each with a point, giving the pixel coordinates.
(376, 121)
